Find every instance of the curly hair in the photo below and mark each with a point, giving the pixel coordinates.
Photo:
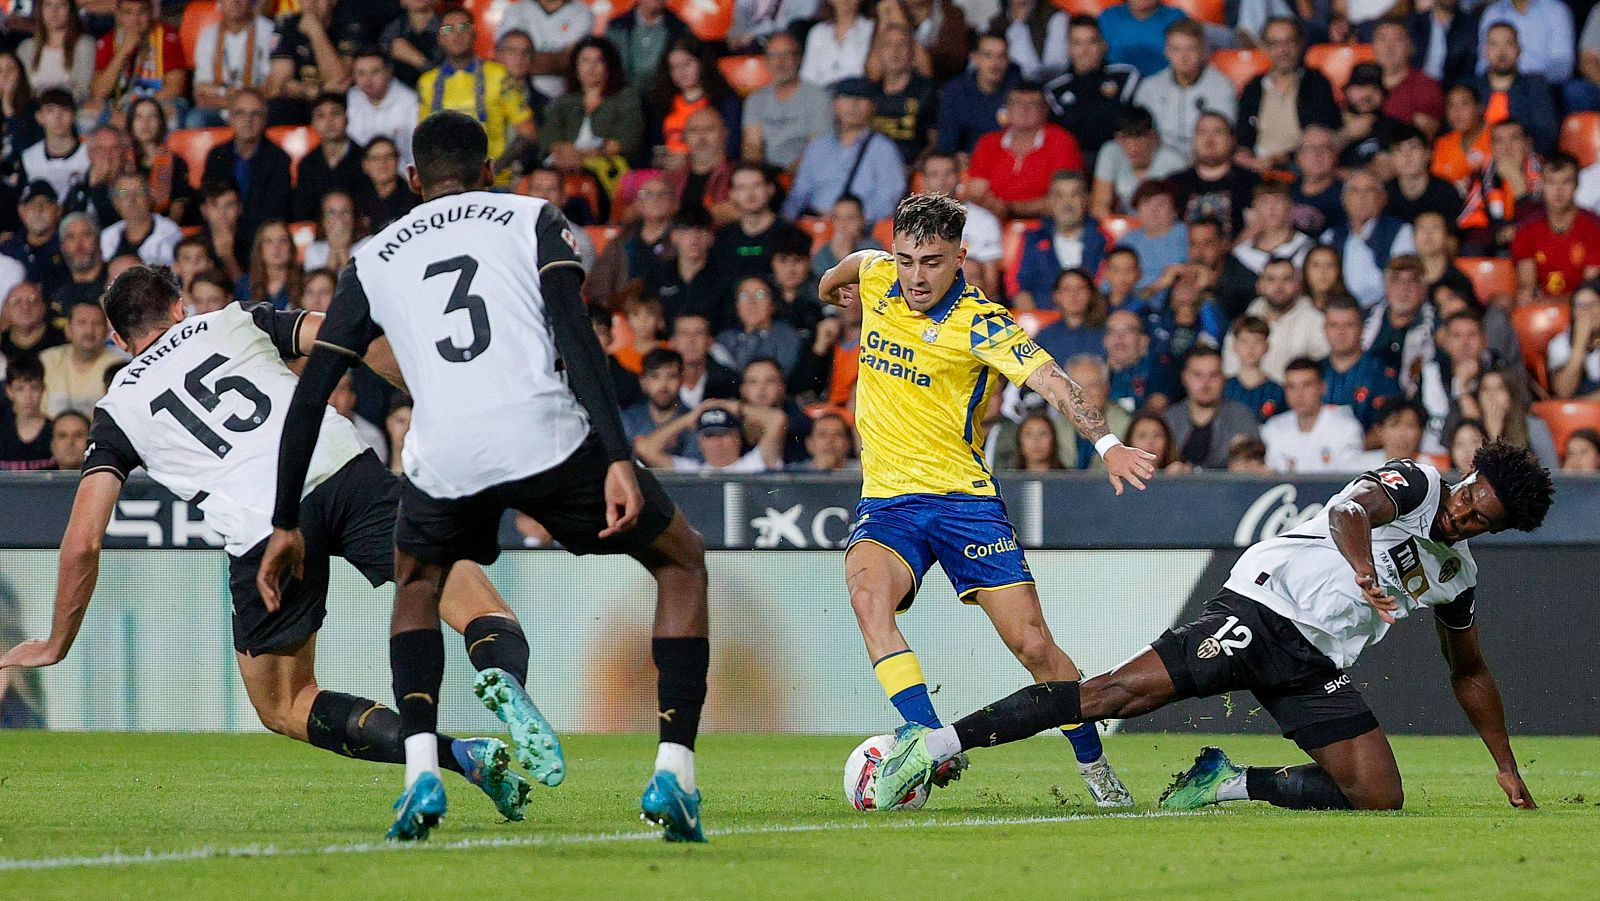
(1519, 480)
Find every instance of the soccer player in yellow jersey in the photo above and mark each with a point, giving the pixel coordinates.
(933, 351)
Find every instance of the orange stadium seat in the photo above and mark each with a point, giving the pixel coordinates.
(193, 144)
(1580, 136)
(884, 232)
(1241, 66)
(602, 235)
(486, 15)
(1034, 321)
(295, 140)
(1337, 61)
(822, 408)
(1210, 11)
(708, 19)
(1011, 250)
(1117, 227)
(304, 233)
(196, 16)
(580, 184)
(745, 74)
(1087, 7)
(818, 228)
(1535, 325)
(1490, 276)
(1567, 416)
(606, 10)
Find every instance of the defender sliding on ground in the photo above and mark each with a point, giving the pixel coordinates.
(1296, 610)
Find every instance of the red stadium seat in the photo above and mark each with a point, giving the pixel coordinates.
(196, 16)
(884, 232)
(1011, 253)
(304, 233)
(1337, 61)
(708, 19)
(1241, 66)
(1086, 7)
(1117, 227)
(602, 235)
(295, 140)
(193, 144)
(1580, 136)
(1567, 416)
(1034, 321)
(745, 74)
(1535, 325)
(1210, 11)
(486, 15)
(580, 184)
(606, 10)
(818, 228)
(1490, 276)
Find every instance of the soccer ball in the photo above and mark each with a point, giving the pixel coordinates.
(858, 770)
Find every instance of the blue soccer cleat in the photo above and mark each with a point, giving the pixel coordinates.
(537, 747)
(1197, 787)
(486, 764)
(666, 804)
(419, 809)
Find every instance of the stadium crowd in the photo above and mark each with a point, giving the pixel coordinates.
(1269, 235)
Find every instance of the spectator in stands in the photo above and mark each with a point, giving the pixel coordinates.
(1573, 356)
(1295, 322)
(1186, 323)
(1463, 443)
(1036, 37)
(1445, 42)
(1582, 93)
(689, 80)
(138, 58)
(1090, 373)
(333, 165)
(828, 371)
(1081, 328)
(1453, 374)
(788, 114)
(1088, 99)
(795, 298)
(660, 379)
(317, 295)
(257, 166)
(756, 22)
(58, 54)
(1206, 422)
(1501, 336)
(1149, 432)
(762, 386)
(36, 245)
(718, 427)
(190, 257)
(645, 322)
(30, 329)
(1511, 90)
(227, 241)
(232, 53)
(599, 100)
(165, 172)
(1038, 449)
(378, 105)
(856, 160)
(640, 248)
(1250, 385)
(1127, 359)
(1500, 403)
(1135, 158)
(479, 88)
(1269, 232)
(1399, 331)
(149, 236)
(744, 246)
(1012, 170)
(970, 103)
(1248, 455)
(830, 447)
(1317, 189)
(69, 441)
(941, 174)
(1135, 30)
(1399, 432)
(1118, 276)
(1368, 240)
(642, 35)
(384, 197)
(1367, 130)
(1414, 96)
(338, 233)
(343, 402)
(274, 278)
(1311, 437)
(1355, 378)
(110, 155)
(1323, 274)
(555, 27)
(60, 159)
(848, 233)
(703, 179)
(1161, 241)
(412, 41)
(687, 278)
(1556, 251)
(627, 383)
(837, 45)
(514, 50)
(85, 266)
(1466, 148)
(904, 102)
(1502, 193)
(1065, 239)
(703, 377)
(1550, 55)
(1415, 190)
(1583, 452)
(758, 334)
(25, 431)
(210, 291)
(1179, 95)
(1277, 107)
(74, 373)
(306, 62)
(1215, 187)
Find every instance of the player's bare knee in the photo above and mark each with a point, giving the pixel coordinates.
(1034, 649)
(277, 714)
(1391, 796)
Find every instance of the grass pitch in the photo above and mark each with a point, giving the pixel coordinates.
(209, 816)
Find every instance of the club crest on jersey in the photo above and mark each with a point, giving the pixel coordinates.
(1450, 569)
(990, 330)
(931, 334)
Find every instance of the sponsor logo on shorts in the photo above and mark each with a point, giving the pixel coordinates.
(1336, 684)
(979, 551)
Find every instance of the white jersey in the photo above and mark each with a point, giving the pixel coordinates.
(1333, 444)
(202, 409)
(1302, 576)
(455, 285)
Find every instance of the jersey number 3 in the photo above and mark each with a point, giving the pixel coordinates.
(461, 298)
(210, 399)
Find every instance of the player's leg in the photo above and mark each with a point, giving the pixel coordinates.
(416, 664)
(881, 582)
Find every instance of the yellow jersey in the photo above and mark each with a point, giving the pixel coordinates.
(484, 91)
(925, 381)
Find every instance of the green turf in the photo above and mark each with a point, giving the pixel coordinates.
(64, 795)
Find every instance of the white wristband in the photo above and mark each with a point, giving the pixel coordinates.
(1106, 443)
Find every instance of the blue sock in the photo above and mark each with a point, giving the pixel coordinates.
(1085, 739)
(915, 705)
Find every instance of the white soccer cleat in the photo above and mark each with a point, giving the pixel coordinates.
(1104, 785)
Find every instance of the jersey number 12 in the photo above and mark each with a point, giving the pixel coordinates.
(210, 399)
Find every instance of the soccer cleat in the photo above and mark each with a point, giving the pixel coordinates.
(537, 747)
(1104, 785)
(1197, 787)
(951, 770)
(907, 765)
(419, 809)
(666, 804)
(486, 764)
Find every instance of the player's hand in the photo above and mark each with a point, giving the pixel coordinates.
(32, 653)
(1131, 464)
(1377, 597)
(624, 500)
(286, 550)
(1516, 791)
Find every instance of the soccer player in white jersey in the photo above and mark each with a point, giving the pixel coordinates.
(1296, 610)
(201, 407)
(478, 294)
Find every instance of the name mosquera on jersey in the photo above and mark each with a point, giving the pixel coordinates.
(440, 219)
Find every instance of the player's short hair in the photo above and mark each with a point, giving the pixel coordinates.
(660, 358)
(925, 218)
(1519, 480)
(141, 299)
(1397, 410)
(1251, 325)
(449, 147)
(1561, 161)
(1303, 364)
(25, 368)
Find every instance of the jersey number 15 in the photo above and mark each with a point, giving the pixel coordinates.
(211, 398)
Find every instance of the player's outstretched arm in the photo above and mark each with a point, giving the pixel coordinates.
(1122, 462)
(1479, 697)
(1350, 523)
(846, 273)
(79, 571)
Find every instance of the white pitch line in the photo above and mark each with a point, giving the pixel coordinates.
(123, 859)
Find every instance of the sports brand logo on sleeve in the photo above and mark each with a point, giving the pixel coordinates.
(1392, 479)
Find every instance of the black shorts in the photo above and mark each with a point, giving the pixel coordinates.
(351, 515)
(1238, 644)
(568, 500)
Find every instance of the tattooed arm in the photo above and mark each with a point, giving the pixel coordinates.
(1122, 462)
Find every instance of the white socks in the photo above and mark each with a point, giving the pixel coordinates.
(943, 744)
(1234, 789)
(422, 756)
(677, 760)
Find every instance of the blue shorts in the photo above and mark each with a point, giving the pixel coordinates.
(969, 536)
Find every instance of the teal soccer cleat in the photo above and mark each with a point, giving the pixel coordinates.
(419, 809)
(486, 764)
(537, 747)
(907, 765)
(1197, 787)
(666, 804)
